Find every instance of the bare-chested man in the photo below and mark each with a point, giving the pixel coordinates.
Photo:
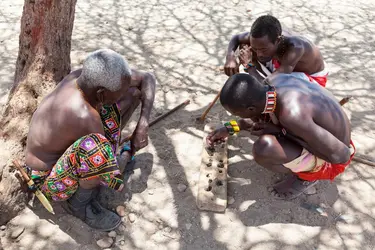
(74, 134)
(305, 131)
(270, 50)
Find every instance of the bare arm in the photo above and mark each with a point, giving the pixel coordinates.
(316, 139)
(243, 38)
(148, 95)
(231, 65)
(245, 124)
(291, 57)
(146, 82)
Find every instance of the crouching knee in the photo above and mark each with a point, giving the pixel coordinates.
(263, 148)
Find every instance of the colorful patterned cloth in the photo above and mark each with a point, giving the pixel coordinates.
(91, 156)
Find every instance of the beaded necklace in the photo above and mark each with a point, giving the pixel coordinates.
(270, 106)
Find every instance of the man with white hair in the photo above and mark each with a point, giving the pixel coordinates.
(74, 134)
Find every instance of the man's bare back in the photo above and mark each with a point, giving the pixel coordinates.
(57, 123)
(299, 100)
(311, 60)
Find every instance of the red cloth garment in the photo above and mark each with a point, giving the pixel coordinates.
(321, 80)
(328, 171)
(275, 63)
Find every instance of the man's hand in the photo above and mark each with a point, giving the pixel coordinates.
(140, 137)
(231, 66)
(245, 55)
(265, 128)
(219, 134)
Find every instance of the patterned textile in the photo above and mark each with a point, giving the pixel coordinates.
(91, 156)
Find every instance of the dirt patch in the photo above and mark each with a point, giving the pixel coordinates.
(184, 43)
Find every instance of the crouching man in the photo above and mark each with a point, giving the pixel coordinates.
(74, 134)
(302, 130)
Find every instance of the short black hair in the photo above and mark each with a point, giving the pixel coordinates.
(242, 91)
(266, 25)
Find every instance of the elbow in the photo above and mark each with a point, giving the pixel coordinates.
(151, 79)
(151, 76)
(235, 38)
(342, 156)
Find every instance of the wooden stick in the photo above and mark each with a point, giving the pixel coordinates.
(45, 202)
(157, 119)
(20, 169)
(345, 100)
(203, 116)
(357, 158)
(364, 161)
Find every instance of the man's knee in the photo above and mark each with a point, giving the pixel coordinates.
(263, 148)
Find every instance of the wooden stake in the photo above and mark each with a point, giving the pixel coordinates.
(203, 116)
(157, 119)
(364, 161)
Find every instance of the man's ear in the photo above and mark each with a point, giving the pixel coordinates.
(278, 39)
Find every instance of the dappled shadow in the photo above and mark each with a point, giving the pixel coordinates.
(10, 15)
(184, 44)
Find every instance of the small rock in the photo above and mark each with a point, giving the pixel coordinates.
(132, 217)
(345, 218)
(120, 211)
(121, 228)
(231, 200)
(119, 238)
(122, 243)
(3, 227)
(127, 198)
(323, 205)
(167, 230)
(17, 232)
(188, 226)
(181, 187)
(242, 151)
(106, 242)
(112, 234)
(150, 192)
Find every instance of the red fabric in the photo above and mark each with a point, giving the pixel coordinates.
(328, 171)
(275, 63)
(322, 80)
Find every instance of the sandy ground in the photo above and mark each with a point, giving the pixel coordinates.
(183, 43)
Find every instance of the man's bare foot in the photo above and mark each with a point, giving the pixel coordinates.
(291, 188)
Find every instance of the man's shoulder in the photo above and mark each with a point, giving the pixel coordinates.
(300, 41)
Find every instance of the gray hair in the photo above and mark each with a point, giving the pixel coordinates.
(104, 68)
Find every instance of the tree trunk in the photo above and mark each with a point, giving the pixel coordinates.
(43, 60)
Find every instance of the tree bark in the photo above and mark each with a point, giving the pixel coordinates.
(43, 60)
